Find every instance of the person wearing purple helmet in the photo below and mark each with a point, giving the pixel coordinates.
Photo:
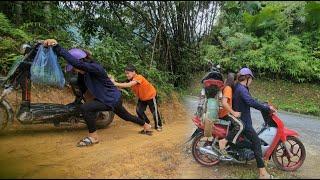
(94, 82)
(241, 102)
(78, 54)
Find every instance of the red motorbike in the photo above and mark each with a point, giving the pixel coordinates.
(282, 144)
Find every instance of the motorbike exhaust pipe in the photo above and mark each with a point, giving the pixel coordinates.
(207, 151)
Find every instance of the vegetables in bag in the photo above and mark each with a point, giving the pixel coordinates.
(45, 68)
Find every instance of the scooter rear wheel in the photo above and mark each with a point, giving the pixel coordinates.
(203, 159)
(282, 159)
(104, 119)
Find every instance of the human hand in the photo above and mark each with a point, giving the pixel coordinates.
(236, 114)
(111, 78)
(272, 109)
(50, 42)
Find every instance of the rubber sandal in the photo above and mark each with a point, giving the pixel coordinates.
(159, 129)
(145, 132)
(223, 154)
(86, 142)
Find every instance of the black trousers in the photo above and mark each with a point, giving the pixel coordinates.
(153, 106)
(90, 111)
(235, 129)
(252, 136)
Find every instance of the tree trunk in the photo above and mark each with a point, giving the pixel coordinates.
(18, 9)
(47, 10)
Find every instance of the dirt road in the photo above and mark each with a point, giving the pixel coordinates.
(43, 151)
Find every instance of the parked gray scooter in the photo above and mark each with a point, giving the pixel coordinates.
(39, 113)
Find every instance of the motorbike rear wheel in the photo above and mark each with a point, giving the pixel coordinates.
(104, 119)
(203, 159)
(282, 159)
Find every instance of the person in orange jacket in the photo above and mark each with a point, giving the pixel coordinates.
(146, 93)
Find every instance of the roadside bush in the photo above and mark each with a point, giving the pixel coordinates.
(275, 42)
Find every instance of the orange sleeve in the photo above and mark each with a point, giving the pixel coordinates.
(227, 92)
(138, 78)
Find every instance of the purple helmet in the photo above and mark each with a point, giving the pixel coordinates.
(76, 53)
(246, 71)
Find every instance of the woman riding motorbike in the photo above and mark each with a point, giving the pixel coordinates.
(242, 101)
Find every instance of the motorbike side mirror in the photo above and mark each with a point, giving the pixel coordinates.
(25, 48)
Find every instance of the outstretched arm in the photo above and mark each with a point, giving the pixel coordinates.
(125, 85)
(85, 66)
(253, 103)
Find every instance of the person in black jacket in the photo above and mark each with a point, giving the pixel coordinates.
(241, 102)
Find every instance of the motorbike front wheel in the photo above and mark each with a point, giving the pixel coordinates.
(282, 159)
(6, 114)
(104, 119)
(206, 160)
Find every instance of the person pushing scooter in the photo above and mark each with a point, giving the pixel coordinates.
(146, 93)
(106, 97)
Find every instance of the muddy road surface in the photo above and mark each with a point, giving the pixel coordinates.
(44, 151)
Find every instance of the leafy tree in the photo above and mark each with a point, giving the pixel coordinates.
(275, 39)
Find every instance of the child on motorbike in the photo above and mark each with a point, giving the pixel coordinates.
(242, 101)
(92, 78)
(227, 113)
(146, 93)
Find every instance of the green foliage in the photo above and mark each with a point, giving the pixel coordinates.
(10, 41)
(239, 41)
(295, 97)
(115, 55)
(6, 30)
(275, 42)
(33, 23)
(312, 9)
(268, 19)
(253, 7)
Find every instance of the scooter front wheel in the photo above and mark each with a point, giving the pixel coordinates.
(282, 158)
(206, 160)
(6, 114)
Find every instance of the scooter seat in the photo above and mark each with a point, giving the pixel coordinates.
(48, 108)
